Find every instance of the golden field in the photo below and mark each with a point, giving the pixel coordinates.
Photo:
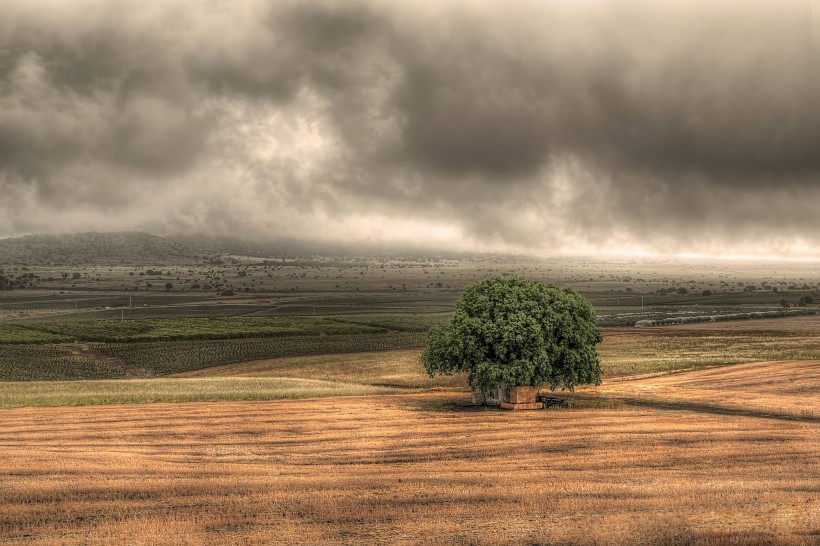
(726, 455)
(411, 469)
(781, 389)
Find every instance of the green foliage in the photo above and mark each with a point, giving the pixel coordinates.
(50, 362)
(511, 331)
(15, 333)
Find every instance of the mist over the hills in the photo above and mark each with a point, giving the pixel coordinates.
(542, 126)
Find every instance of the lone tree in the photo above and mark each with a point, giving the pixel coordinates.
(514, 332)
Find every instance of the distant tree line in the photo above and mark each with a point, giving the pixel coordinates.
(8, 281)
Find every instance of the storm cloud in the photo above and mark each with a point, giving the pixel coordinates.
(531, 125)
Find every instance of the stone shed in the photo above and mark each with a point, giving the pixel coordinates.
(492, 398)
(516, 398)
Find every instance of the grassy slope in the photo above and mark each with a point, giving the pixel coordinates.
(394, 368)
(138, 391)
(632, 352)
(772, 388)
(87, 248)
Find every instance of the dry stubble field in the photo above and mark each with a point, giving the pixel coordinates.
(405, 469)
(780, 389)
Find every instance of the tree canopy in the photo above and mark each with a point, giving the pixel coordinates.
(511, 331)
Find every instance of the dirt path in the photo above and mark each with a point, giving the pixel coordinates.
(129, 371)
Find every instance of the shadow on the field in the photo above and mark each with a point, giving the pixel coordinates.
(465, 406)
(453, 406)
(701, 408)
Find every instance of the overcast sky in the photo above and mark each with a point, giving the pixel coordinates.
(535, 125)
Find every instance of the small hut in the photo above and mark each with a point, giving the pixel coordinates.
(517, 398)
(493, 398)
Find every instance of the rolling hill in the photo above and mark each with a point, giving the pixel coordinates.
(89, 248)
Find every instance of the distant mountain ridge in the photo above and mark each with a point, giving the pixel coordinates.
(129, 247)
(137, 247)
(265, 249)
(292, 247)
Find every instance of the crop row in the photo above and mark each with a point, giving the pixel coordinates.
(180, 356)
(620, 316)
(30, 362)
(401, 323)
(725, 317)
(14, 334)
(63, 304)
(142, 313)
(117, 331)
(50, 362)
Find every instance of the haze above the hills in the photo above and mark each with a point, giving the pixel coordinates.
(546, 127)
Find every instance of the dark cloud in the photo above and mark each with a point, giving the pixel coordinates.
(551, 126)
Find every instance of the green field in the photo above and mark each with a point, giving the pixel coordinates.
(171, 311)
(18, 334)
(175, 357)
(370, 360)
(119, 331)
(51, 362)
(402, 323)
(30, 362)
(623, 353)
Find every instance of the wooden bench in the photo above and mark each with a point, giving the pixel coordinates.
(553, 402)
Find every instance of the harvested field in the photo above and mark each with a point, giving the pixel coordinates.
(787, 389)
(390, 470)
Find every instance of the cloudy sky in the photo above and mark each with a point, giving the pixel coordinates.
(558, 126)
